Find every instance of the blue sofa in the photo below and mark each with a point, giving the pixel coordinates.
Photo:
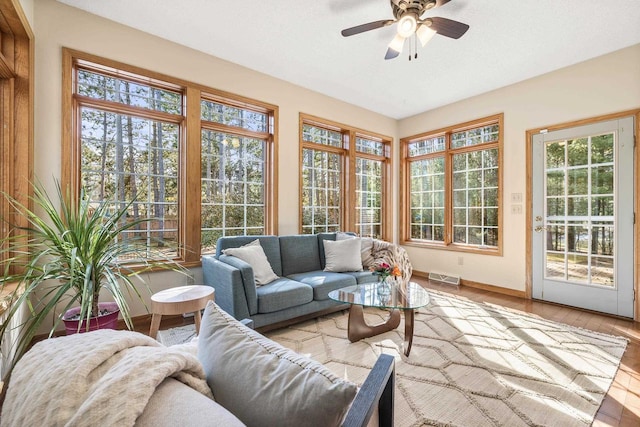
(301, 290)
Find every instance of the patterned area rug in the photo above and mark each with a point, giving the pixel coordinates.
(474, 364)
(471, 364)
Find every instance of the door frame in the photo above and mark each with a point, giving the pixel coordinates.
(529, 194)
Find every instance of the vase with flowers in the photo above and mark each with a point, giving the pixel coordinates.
(383, 270)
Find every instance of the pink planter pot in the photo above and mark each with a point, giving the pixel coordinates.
(107, 321)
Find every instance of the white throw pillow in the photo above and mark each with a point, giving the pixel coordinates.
(365, 249)
(254, 255)
(342, 255)
(341, 235)
(366, 252)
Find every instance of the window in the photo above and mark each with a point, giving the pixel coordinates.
(235, 155)
(16, 114)
(129, 137)
(197, 163)
(452, 187)
(343, 186)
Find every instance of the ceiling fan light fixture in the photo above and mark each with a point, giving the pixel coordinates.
(397, 44)
(425, 34)
(407, 25)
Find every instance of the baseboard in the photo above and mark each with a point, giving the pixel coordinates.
(477, 285)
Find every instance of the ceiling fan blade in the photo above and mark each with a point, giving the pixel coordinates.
(391, 54)
(447, 27)
(441, 3)
(366, 27)
(395, 47)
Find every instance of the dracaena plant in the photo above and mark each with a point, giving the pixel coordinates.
(69, 252)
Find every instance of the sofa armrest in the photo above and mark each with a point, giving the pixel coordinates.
(377, 391)
(227, 281)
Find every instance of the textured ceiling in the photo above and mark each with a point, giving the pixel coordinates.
(300, 41)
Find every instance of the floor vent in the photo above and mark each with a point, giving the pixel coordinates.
(445, 278)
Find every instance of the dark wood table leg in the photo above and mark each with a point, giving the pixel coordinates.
(408, 331)
(358, 328)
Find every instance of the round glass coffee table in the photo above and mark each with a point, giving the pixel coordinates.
(401, 296)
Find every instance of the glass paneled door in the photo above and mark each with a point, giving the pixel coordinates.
(583, 198)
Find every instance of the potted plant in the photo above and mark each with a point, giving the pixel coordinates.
(67, 255)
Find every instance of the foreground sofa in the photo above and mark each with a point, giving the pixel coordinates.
(302, 286)
(123, 378)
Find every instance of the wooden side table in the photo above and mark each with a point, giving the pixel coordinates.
(180, 300)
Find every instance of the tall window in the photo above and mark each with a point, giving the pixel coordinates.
(235, 155)
(370, 190)
(344, 179)
(130, 134)
(199, 164)
(452, 187)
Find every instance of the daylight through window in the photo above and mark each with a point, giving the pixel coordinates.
(452, 187)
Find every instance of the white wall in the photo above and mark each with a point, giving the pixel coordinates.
(58, 25)
(27, 7)
(604, 85)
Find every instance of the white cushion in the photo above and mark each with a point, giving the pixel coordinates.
(176, 404)
(341, 235)
(265, 384)
(342, 255)
(254, 255)
(366, 254)
(365, 249)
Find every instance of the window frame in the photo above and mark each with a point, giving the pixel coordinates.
(189, 174)
(348, 153)
(17, 53)
(270, 158)
(448, 153)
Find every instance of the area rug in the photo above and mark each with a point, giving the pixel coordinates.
(471, 364)
(474, 364)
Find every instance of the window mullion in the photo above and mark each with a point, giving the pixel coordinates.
(448, 185)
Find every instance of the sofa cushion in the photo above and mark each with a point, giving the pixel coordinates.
(342, 255)
(324, 282)
(299, 254)
(176, 404)
(263, 383)
(253, 254)
(270, 245)
(283, 293)
(363, 276)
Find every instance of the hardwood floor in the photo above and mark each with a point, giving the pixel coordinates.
(621, 407)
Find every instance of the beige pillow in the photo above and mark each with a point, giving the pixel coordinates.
(254, 255)
(263, 383)
(366, 246)
(365, 252)
(342, 255)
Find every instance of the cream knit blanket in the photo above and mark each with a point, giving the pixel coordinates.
(392, 254)
(101, 378)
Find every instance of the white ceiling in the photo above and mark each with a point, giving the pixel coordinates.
(300, 41)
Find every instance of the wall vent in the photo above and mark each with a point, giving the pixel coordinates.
(445, 278)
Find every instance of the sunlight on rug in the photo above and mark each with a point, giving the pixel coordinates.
(474, 364)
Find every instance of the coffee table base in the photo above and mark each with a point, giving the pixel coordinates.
(358, 329)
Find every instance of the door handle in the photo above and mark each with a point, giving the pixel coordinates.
(539, 228)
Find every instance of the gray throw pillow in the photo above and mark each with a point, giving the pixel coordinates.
(263, 383)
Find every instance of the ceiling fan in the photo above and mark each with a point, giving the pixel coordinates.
(407, 15)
